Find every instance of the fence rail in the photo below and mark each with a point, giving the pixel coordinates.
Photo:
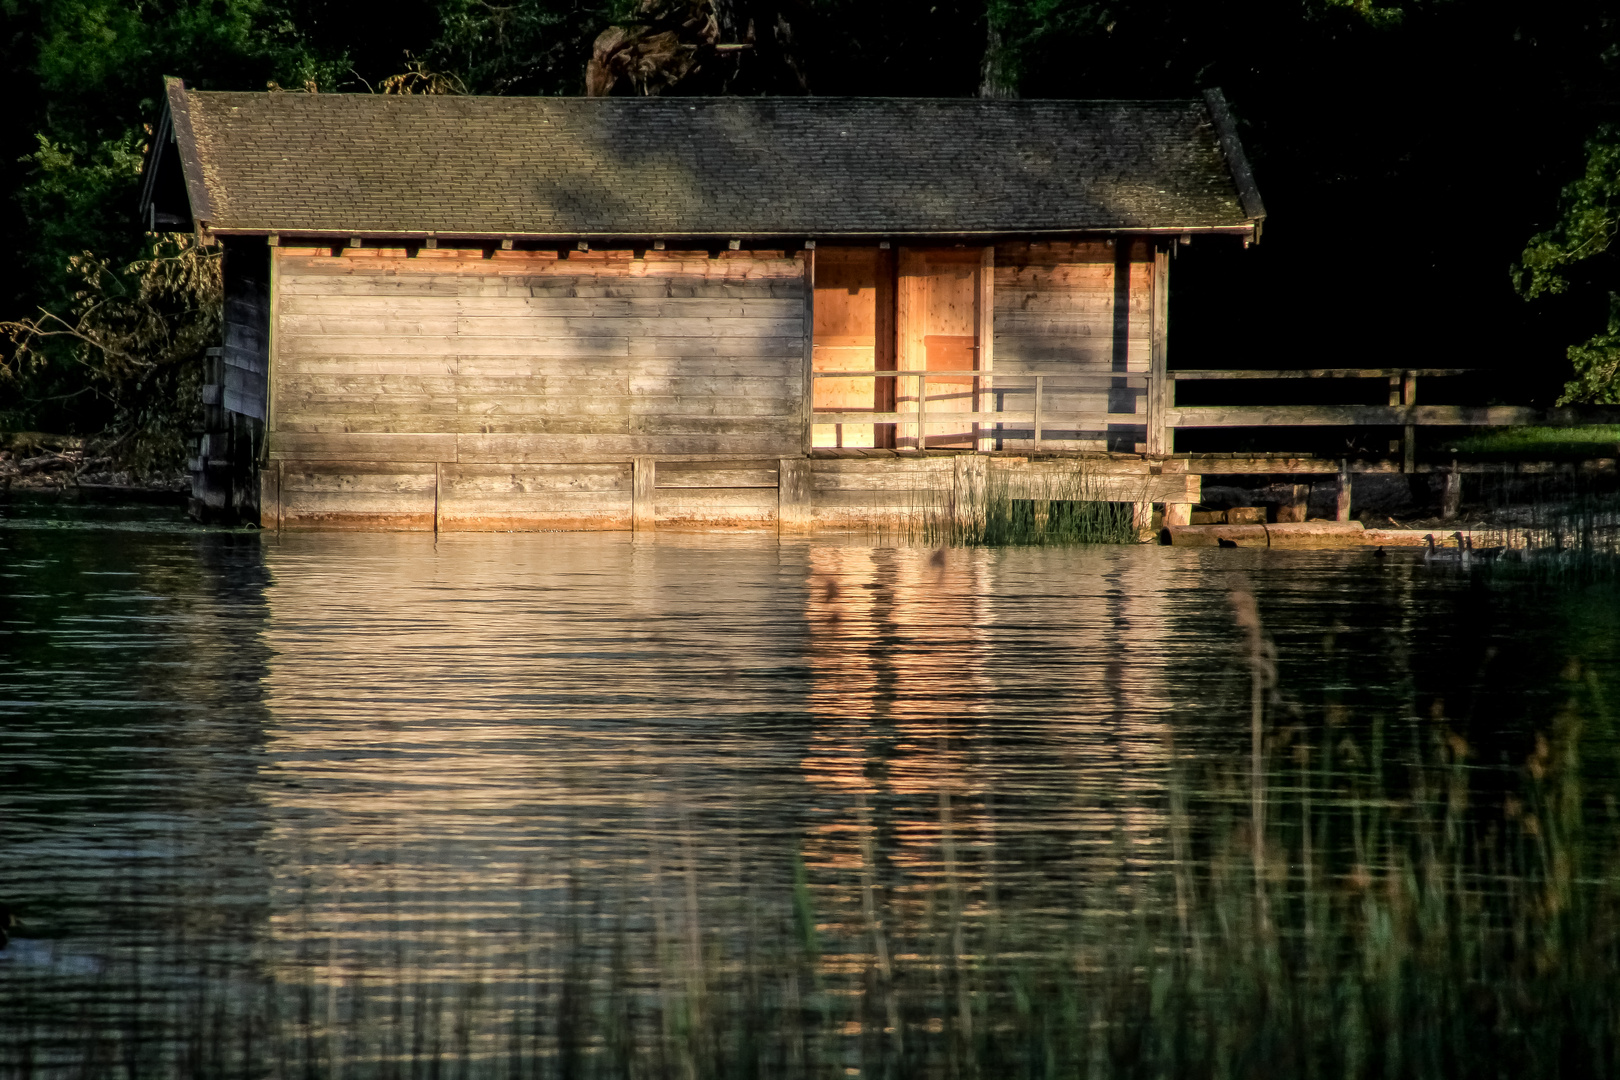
(1039, 417)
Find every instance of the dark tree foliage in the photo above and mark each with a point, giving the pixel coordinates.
(1407, 152)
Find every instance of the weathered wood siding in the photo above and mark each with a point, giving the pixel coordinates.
(1082, 309)
(246, 327)
(471, 379)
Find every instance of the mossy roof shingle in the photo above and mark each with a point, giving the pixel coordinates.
(362, 164)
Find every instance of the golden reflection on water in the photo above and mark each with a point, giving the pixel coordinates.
(375, 799)
(464, 735)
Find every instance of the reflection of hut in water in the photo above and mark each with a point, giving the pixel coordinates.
(541, 313)
(500, 761)
(955, 806)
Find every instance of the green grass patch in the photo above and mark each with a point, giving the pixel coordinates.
(1539, 442)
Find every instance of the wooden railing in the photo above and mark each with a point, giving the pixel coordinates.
(1039, 417)
(1402, 411)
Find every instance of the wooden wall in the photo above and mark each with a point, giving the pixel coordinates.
(224, 484)
(449, 388)
(1084, 308)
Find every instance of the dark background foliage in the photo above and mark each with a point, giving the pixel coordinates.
(1406, 153)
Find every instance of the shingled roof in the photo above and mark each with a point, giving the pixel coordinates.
(537, 167)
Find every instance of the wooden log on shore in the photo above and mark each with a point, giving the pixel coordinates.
(1300, 534)
(1212, 535)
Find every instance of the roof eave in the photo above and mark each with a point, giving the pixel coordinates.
(185, 139)
(288, 234)
(1237, 162)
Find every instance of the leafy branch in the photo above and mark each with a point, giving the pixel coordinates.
(139, 333)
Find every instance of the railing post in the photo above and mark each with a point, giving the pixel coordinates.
(922, 407)
(1039, 380)
(1451, 494)
(1409, 443)
(643, 493)
(1160, 439)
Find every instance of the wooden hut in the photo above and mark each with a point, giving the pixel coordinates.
(604, 313)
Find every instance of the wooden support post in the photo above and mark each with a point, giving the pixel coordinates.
(1409, 443)
(270, 498)
(438, 484)
(1451, 494)
(1038, 393)
(1298, 508)
(1344, 490)
(968, 477)
(922, 405)
(1177, 513)
(1394, 400)
(1142, 518)
(808, 405)
(643, 493)
(1160, 389)
(795, 496)
(985, 333)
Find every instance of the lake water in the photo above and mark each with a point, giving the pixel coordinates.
(708, 806)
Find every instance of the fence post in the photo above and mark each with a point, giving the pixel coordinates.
(643, 493)
(1160, 438)
(1039, 380)
(1409, 442)
(1451, 495)
(922, 407)
(795, 495)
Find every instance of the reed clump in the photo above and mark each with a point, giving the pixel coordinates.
(986, 506)
(1576, 538)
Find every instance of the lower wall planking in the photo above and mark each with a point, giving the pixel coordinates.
(703, 494)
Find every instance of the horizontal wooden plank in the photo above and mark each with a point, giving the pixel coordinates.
(889, 499)
(356, 325)
(354, 501)
(564, 503)
(670, 501)
(631, 389)
(349, 518)
(359, 364)
(369, 384)
(1383, 416)
(523, 448)
(530, 327)
(474, 309)
(363, 446)
(710, 477)
(1196, 374)
(563, 518)
(243, 403)
(1000, 379)
(682, 367)
(1015, 373)
(309, 285)
(1088, 418)
(466, 479)
(370, 478)
(257, 363)
(439, 348)
(732, 405)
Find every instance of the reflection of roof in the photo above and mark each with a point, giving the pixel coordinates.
(362, 164)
